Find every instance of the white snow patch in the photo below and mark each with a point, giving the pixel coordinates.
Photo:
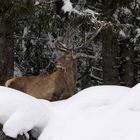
(96, 113)
(36, 2)
(20, 112)
(99, 113)
(138, 32)
(81, 116)
(126, 10)
(25, 33)
(67, 7)
(122, 34)
(122, 11)
(17, 71)
(127, 58)
(92, 13)
(138, 18)
(137, 35)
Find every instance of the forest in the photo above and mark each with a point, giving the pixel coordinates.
(29, 28)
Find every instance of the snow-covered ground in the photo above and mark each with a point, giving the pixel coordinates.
(96, 113)
(20, 112)
(82, 116)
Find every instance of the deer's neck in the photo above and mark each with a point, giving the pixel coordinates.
(70, 76)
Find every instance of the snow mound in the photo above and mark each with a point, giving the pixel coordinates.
(20, 112)
(96, 113)
(84, 116)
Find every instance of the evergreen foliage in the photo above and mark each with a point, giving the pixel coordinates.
(38, 25)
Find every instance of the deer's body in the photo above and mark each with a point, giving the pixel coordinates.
(56, 86)
(60, 84)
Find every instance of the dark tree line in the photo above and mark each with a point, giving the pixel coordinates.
(27, 33)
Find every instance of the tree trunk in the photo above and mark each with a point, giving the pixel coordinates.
(6, 53)
(110, 63)
(110, 49)
(128, 68)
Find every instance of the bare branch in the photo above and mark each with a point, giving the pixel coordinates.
(78, 55)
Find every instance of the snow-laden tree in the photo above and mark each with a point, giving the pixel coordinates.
(10, 11)
(110, 58)
(71, 22)
(119, 42)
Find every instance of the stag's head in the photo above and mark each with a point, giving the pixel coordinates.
(68, 59)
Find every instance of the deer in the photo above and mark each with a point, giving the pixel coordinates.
(61, 83)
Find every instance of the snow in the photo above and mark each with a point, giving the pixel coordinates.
(138, 18)
(138, 32)
(21, 110)
(122, 11)
(122, 34)
(77, 117)
(126, 11)
(67, 7)
(37, 2)
(95, 113)
(92, 13)
(137, 35)
(17, 71)
(25, 33)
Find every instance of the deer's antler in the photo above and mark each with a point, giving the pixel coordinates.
(90, 36)
(60, 46)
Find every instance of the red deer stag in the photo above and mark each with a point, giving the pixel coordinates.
(58, 85)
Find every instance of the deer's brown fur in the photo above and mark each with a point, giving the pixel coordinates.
(56, 86)
(61, 83)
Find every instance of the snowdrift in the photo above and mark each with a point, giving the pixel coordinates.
(96, 113)
(20, 112)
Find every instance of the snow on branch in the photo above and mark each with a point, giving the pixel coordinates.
(68, 7)
(85, 56)
(96, 77)
(25, 33)
(138, 32)
(95, 68)
(92, 13)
